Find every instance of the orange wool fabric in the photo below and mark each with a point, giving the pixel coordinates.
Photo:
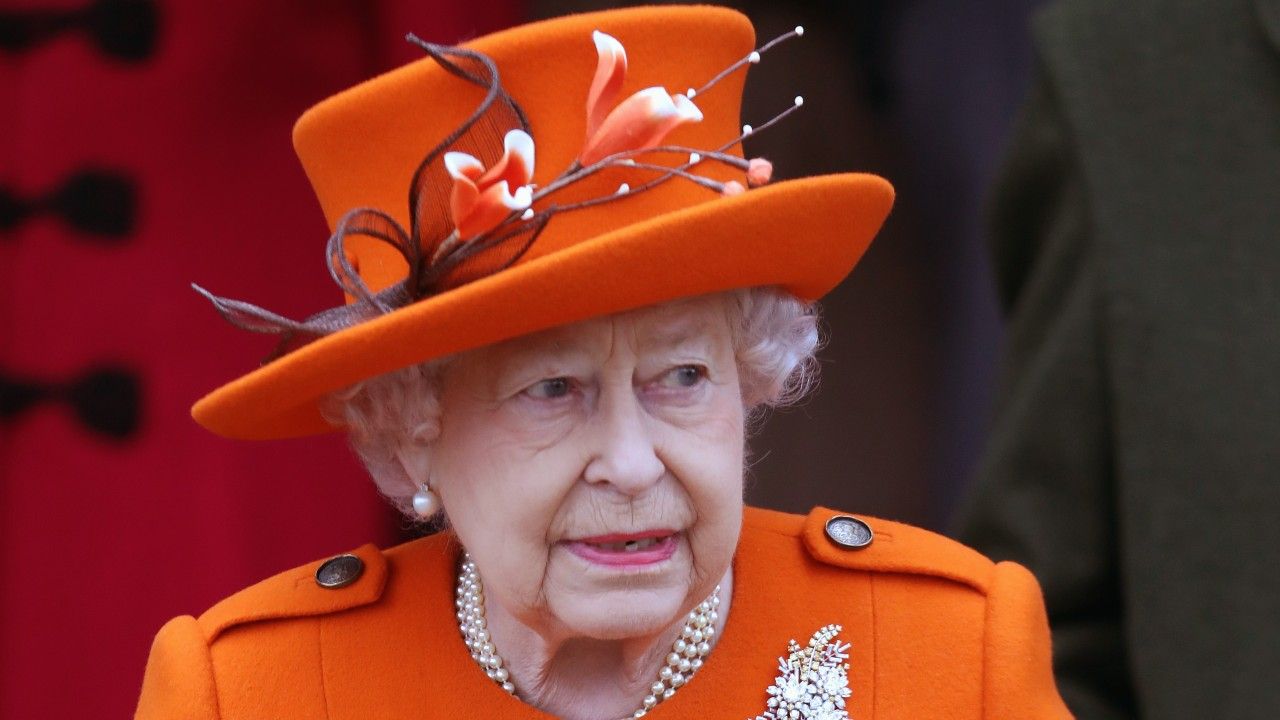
(937, 632)
(360, 149)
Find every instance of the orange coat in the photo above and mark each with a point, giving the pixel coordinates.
(937, 631)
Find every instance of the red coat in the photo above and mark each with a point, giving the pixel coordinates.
(107, 527)
(937, 631)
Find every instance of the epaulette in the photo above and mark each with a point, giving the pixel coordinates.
(860, 542)
(326, 586)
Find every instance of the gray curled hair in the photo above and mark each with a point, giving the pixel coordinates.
(775, 339)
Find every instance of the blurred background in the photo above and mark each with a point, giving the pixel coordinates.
(144, 145)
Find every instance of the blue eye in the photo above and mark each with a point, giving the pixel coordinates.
(550, 389)
(685, 376)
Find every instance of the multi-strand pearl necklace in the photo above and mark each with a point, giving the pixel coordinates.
(686, 655)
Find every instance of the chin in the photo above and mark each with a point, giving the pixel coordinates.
(619, 614)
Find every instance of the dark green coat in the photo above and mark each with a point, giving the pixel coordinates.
(1134, 463)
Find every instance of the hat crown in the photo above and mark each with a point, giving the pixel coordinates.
(360, 148)
(686, 226)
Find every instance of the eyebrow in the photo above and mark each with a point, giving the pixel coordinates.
(663, 334)
(681, 335)
(679, 328)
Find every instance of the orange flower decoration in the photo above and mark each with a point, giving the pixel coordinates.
(641, 121)
(482, 198)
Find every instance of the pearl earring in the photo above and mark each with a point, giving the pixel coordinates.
(425, 502)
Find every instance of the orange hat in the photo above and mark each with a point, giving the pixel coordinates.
(528, 212)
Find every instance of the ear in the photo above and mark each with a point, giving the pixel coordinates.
(415, 460)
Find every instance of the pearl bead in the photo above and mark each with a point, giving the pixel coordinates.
(425, 503)
(685, 659)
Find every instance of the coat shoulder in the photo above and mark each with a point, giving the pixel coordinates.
(330, 585)
(891, 547)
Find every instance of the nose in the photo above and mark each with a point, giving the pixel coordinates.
(624, 454)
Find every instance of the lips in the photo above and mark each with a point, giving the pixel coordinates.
(627, 546)
(626, 549)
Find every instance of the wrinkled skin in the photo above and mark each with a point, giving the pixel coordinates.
(612, 425)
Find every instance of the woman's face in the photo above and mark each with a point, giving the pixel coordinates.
(594, 471)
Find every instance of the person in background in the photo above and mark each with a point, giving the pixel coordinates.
(1134, 460)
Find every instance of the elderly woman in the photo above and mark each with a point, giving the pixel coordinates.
(555, 355)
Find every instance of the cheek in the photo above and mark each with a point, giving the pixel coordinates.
(708, 464)
(501, 493)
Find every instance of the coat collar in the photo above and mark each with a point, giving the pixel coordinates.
(403, 657)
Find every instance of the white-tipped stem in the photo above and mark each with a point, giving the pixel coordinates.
(749, 130)
(624, 159)
(667, 173)
(666, 170)
(690, 93)
(623, 189)
(704, 155)
(799, 100)
(527, 214)
(750, 59)
(694, 158)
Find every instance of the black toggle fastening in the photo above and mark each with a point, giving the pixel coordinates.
(123, 29)
(106, 399)
(100, 203)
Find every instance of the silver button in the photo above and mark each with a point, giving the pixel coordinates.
(849, 532)
(339, 572)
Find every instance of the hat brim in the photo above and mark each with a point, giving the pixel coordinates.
(803, 236)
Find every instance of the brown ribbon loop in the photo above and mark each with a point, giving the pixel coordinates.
(430, 224)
